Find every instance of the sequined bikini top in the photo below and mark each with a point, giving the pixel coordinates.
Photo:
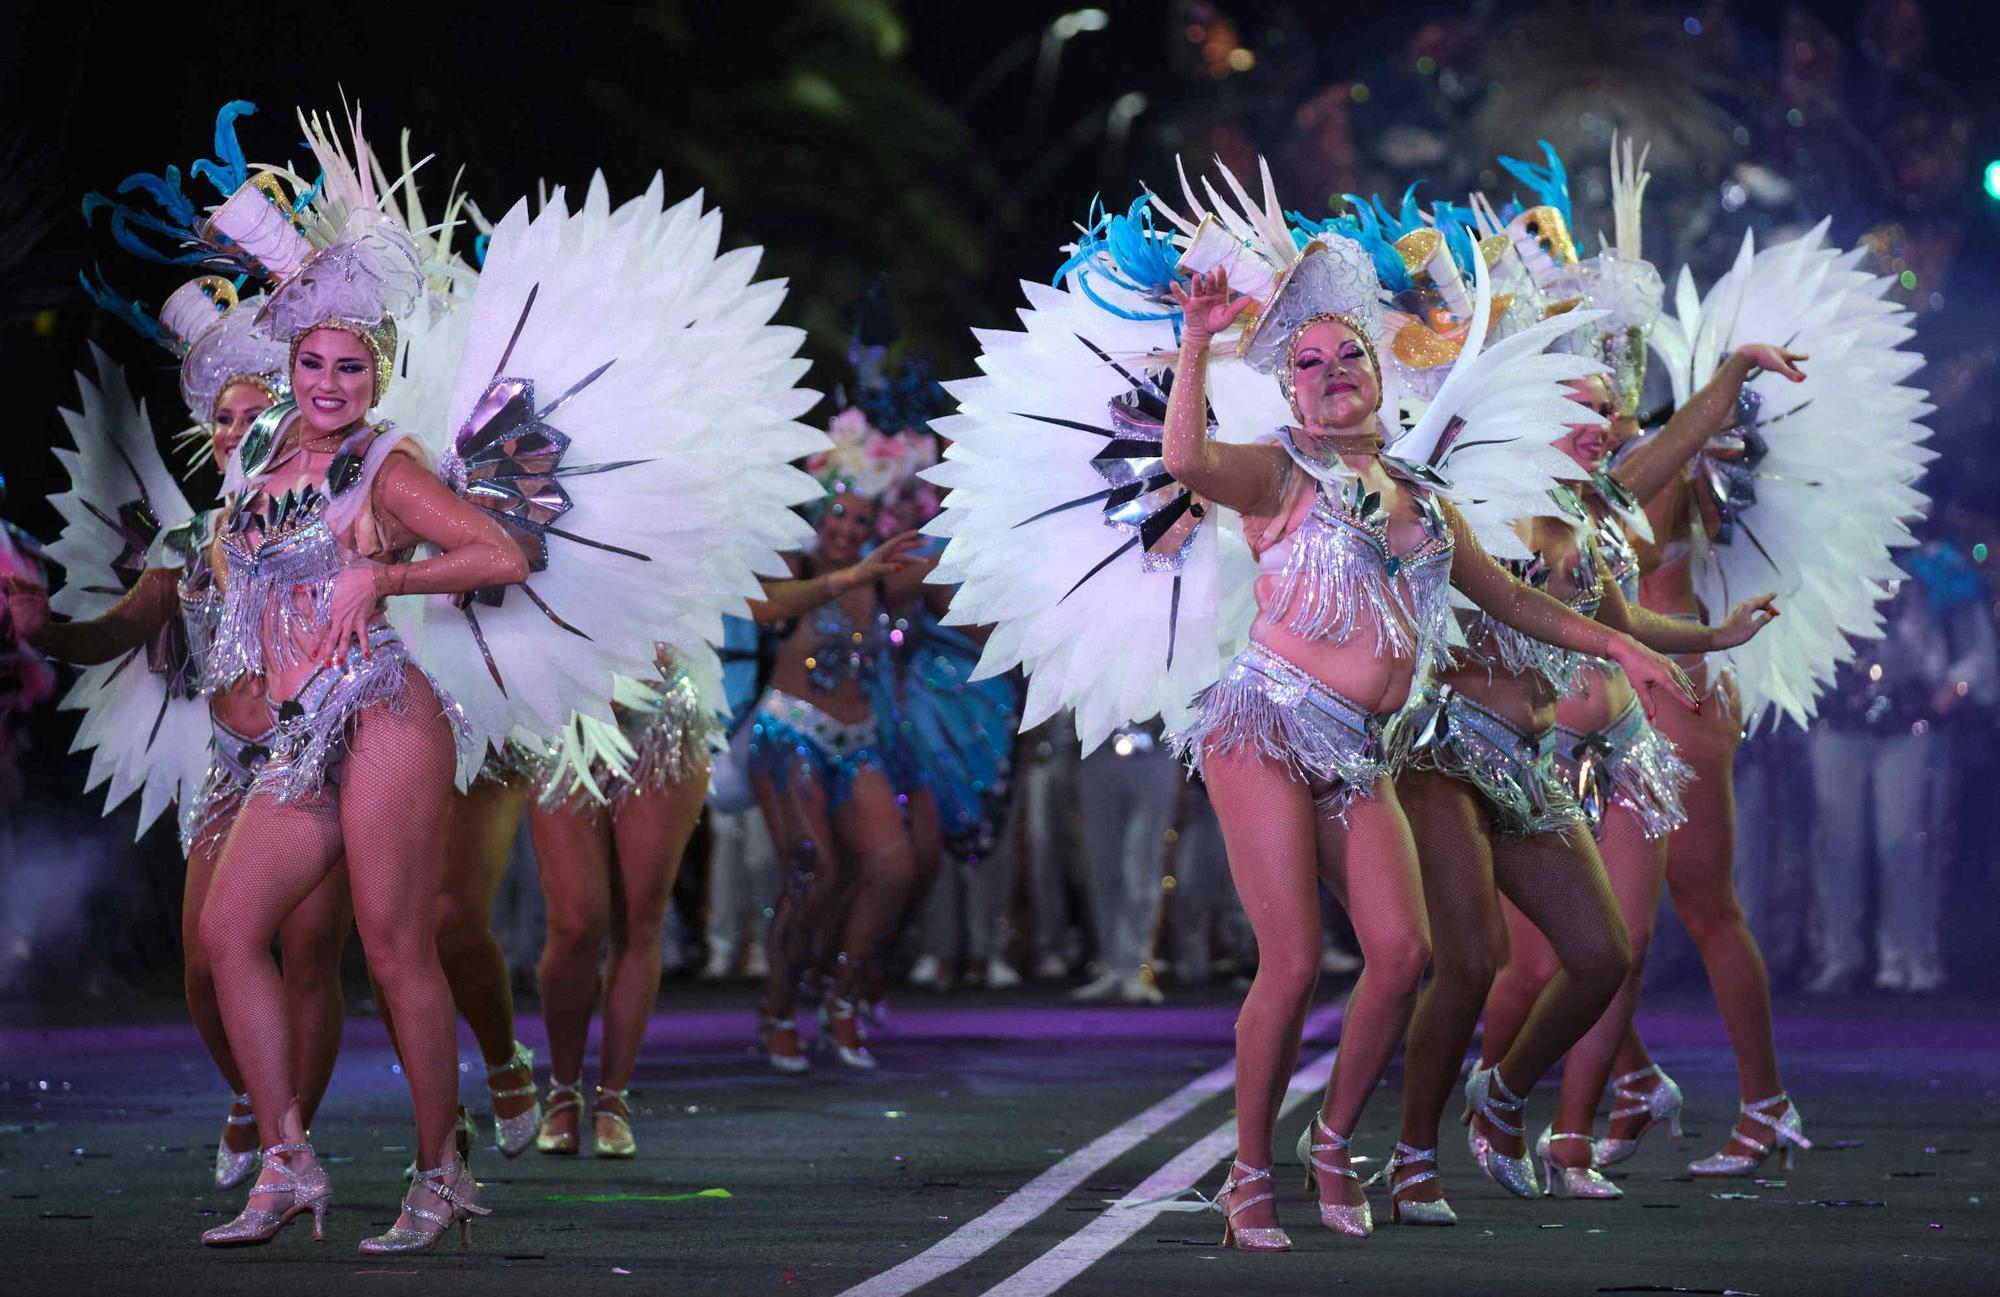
(1336, 572)
(845, 651)
(282, 553)
(1496, 644)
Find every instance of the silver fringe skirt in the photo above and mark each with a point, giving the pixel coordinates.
(310, 739)
(234, 759)
(1630, 762)
(1515, 773)
(1269, 706)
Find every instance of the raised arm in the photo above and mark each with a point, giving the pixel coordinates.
(1654, 464)
(1519, 606)
(153, 600)
(474, 551)
(1248, 479)
(788, 600)
(1672, 635)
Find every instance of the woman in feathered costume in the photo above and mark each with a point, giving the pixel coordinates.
(1354, 550)
(816, 754)
(1488, 799)
(608, 845)
(1763, 476)
(131, 530)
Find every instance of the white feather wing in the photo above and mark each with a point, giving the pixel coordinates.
(144, 737)
(655, 354)
(1837, 486)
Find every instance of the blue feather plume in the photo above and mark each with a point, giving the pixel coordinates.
(132, 314)
(1550, 183)
(229, 170)
(166, 226)
(1129, 252)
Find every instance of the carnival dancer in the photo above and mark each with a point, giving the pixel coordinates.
(1490, 810)
(141, 582)
(1353, 552)
(817, 760)
(1798, 482)
(321, 534)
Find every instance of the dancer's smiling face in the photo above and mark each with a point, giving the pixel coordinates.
(236, 407)
(844, 528)
(1334, 383)
(333, 376)
(1588, 443)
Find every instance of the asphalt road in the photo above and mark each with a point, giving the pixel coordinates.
(990, 1144)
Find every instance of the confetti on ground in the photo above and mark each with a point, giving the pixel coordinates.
(638, 1197)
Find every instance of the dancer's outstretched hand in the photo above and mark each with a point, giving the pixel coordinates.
(1745, 620)
(1206, 306)
(1776, 359)
(886, 559)
(1649, 672)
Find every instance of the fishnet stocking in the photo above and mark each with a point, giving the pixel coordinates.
(385, 810)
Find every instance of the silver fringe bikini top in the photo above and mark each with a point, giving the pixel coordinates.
(1336, 573)
(282, 554)
(1561, 669)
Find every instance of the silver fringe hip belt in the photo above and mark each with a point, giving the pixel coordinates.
(670, 736)
(791, 739)
(314, 727)
(234, 759)
(1515, 773)
(1265, 703)
(1630, 762)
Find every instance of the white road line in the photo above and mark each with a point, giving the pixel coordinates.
(1089, 1245)
(976, 1236)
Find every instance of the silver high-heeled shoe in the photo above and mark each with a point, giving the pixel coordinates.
(833, 1009)
(785, 1033)
(563, 1097)
(1413, 1211)
(512, 1135)
(232, 1168)
(1254, 1238)
(308, 1190)
(1514, 1174)
(1576, 1181)
(1661, 1103)
(1340, 1217)
(460, 1194)
(1787, 1133)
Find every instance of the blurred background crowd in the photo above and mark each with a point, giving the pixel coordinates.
(935, 154)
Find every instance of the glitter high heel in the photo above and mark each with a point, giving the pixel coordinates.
(1413, 1211)
(840, 1032)
(233, 1168)
(780, 1039)
(1253, 1238)
(460, 1195)
(619, 1143)
(1514, 1174)
(1787, 1133)
(563, 1097)
(512, 1135)
(1342, 1218)
(1661, 1103)
(309, 1190)
(1576, 1181)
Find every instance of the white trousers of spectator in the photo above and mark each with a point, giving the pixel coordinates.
(1128, 805)
(1865, 777)
(742, 881)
